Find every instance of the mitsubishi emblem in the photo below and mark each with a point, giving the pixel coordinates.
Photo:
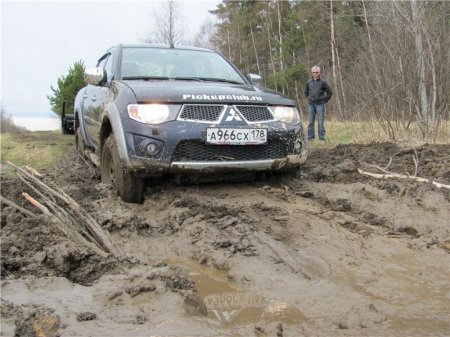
(233, 115)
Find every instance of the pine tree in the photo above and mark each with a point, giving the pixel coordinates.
(68, 87)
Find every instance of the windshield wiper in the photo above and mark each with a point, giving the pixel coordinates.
(212, 79)
(146, 78)
(165, 78)
(186, 78)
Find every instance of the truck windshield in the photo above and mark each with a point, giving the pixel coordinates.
(160, 63)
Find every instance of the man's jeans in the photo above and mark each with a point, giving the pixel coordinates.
(319, 109)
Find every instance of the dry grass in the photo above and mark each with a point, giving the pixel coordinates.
(367, 132)
(40, 150)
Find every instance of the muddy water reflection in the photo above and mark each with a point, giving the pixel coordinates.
(234, 306)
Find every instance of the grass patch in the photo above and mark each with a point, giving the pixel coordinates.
(40, 150)
(361, 133)
(336, 133)
(340, 132)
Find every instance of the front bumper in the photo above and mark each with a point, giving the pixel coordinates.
(290, 162)
(151, 168)
(184, 150)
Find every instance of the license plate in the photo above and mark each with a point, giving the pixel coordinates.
(229, 136)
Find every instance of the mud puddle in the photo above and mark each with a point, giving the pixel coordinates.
(231, 305)
(123, 304)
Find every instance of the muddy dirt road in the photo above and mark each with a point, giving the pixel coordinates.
(328, 252)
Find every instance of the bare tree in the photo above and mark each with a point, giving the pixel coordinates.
(168, 25)
(254, 48)
(425, 109)
(203, 37)
(333, 58)
(269, 43)
(406, 70)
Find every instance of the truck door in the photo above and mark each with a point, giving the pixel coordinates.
(94, 103)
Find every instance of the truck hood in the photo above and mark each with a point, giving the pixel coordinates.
(188, 92)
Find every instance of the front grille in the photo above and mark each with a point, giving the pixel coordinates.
(255, 113)
(209, 113)
(197, 151)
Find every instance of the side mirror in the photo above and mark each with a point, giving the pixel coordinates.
(94, 76)
(255, 79)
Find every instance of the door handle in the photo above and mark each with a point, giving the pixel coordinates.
(94, 98)
(85, 96)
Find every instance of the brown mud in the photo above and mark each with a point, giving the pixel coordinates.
(324, 252)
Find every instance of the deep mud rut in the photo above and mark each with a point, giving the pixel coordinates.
(327, 252)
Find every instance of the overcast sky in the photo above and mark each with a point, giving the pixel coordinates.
(40, 40)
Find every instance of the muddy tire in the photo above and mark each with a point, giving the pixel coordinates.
(128, 186)
(79, 143)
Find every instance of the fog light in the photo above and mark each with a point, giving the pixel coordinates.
(152, 149)
(149, 148)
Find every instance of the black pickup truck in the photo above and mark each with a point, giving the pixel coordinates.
(149, 111)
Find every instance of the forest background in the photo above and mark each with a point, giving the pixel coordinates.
(388, 62)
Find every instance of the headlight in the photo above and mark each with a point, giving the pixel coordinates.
(149, 113)
(286, 114)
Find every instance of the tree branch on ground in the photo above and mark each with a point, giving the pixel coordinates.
(8, 202)
(66, 213)
(392, 175)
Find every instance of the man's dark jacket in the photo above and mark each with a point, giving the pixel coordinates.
(317, 91)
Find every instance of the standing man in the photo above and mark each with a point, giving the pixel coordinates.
(317, 92)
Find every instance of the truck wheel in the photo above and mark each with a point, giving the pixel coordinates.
(79, 143)
(128, 186)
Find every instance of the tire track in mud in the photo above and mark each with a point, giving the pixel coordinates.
(349, 253)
